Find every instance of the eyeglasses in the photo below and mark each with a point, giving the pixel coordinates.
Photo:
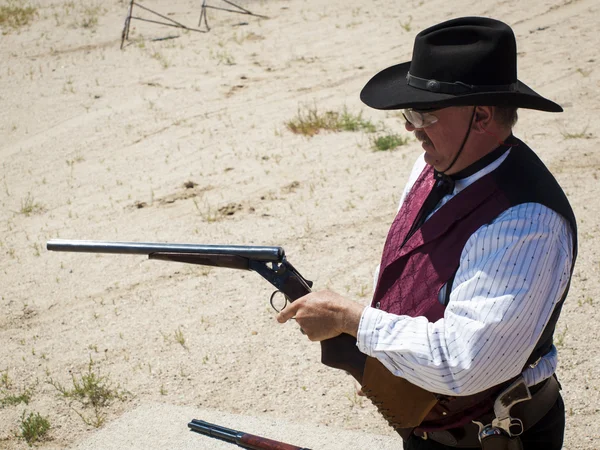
(419, 119)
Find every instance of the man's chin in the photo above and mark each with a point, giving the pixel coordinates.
(428, 149)
(430, 159)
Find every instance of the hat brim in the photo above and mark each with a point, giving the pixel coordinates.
(389, 90)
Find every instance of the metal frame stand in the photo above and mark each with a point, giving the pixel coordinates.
(170, 23)
(238, 10)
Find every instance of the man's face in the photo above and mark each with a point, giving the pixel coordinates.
(442, 140)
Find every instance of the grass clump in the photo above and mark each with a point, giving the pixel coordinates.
(180, 338)
(92, 391)
(161, 59)
(29, 206)
(90, 16)
(223, 57)
(309, 122)
(351, 122)
(5, 381)
(16, 16)
(207, 212)
(34, 428)
(10, 399)
(581, 135)
(388, 142)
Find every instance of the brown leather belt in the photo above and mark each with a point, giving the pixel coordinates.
(544, 395)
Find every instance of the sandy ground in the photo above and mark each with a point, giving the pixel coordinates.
(100, 143)
(169, 425)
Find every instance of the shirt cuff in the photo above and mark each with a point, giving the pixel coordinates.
(542, 369)
(367, 329)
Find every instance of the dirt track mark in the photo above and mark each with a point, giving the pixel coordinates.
(556, 14)
(188, 190)
(162, 86)
(81, 48)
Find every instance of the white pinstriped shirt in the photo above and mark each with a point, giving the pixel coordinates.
(512, 273)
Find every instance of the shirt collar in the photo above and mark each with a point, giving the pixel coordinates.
(484, 165)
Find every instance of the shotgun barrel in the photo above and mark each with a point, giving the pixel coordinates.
(258, 253)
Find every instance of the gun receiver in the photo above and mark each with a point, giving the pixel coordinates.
(269, 262)
(244, 440)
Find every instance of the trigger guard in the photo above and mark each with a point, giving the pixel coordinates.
(516, 422)
(273, 296)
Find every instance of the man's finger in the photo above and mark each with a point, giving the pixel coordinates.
(287, 313)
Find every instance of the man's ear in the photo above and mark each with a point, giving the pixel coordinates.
(484, 116)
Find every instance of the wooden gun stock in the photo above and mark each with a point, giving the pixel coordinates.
(253, 442)
(241, 439)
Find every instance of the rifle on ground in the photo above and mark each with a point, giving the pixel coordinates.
(269, 262)
(244, 440)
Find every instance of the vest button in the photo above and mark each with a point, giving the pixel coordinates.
(377, 305)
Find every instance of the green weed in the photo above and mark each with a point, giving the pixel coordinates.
(180, 338)
(16, 16)
(560, 337)
(207, 212)
(90, 16)
(355, 400)
(29, 206)
(92, 391)
(363, 290)
(388, 142)
(406, 26)
(5, 380)
(351, 122)
(581, 135)
(587, 300)
(309, 122)
(584, 73)
(34, 428)
(223, 57)
(161, 59)
(12, 400)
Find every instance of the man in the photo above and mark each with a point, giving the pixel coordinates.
(478, 261)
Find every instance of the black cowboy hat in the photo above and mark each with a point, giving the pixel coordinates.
(461, 62)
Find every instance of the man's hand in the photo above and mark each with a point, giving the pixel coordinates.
(324, 315)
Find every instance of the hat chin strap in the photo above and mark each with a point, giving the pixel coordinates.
(462, 145)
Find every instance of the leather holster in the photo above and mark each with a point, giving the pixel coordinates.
(501, 442)
(403, 404)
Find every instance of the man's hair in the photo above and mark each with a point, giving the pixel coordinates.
(506, 115)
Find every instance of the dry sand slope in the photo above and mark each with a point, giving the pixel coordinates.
(184, 140)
